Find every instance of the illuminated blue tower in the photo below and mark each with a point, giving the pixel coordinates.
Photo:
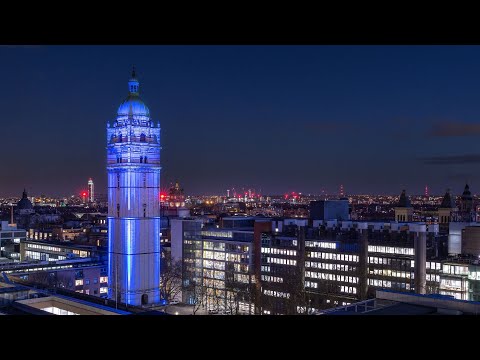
(133, 166)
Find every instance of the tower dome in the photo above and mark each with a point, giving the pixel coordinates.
(133, 104)
(24, 203)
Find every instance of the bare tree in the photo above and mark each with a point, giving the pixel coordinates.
(432, 287)
(293, 285)
(196, 294)
(171, 280)
(232, 300)
(50, 279)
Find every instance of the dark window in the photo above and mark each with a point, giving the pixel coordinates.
(87, 281)
(118, 210)
(145, 160)
(143, 138)
(95, 280)
(141, 159)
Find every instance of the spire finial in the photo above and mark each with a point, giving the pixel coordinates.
(133, 72)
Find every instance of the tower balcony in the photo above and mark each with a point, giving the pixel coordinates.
(134, 139)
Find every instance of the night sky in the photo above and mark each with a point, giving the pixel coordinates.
(277, 118)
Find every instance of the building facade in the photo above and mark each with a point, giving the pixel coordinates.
(133, 166)
(218, 264)
(10, 238)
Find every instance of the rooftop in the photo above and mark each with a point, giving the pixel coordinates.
(60, 305)
(389, 302)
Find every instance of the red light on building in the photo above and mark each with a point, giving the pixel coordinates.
(84, 194)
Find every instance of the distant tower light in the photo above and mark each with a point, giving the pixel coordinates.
(91, 192)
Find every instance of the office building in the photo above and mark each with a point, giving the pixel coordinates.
(218, 263)
(10, 238)
(57, 250)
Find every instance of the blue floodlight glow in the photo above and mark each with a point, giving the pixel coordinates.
(133, 211)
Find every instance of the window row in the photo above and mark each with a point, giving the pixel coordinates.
(321, 244)
(433, 265)
(348, 289)
(380, 283)
(44, 247)
(393, 273)
(214, 255)
(454, 284)
(433, 277)
(272, 278)
(217, 234)
(455, 269)
(271, 260)
(279, 251)
(328, 266)
(334, 277)
(390, 250)
(210, 245)
(219, 265)
(279, 294)
(386, 261)
(333, 256)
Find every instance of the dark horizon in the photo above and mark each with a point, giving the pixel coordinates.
(377, 119)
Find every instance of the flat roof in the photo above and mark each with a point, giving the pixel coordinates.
(403, 309)
(63, 304)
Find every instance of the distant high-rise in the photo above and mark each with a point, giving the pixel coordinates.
(91, 193)
(133, 166)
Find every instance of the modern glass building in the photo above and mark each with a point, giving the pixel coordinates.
(218, 268)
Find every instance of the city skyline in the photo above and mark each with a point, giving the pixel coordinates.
(376, 119)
